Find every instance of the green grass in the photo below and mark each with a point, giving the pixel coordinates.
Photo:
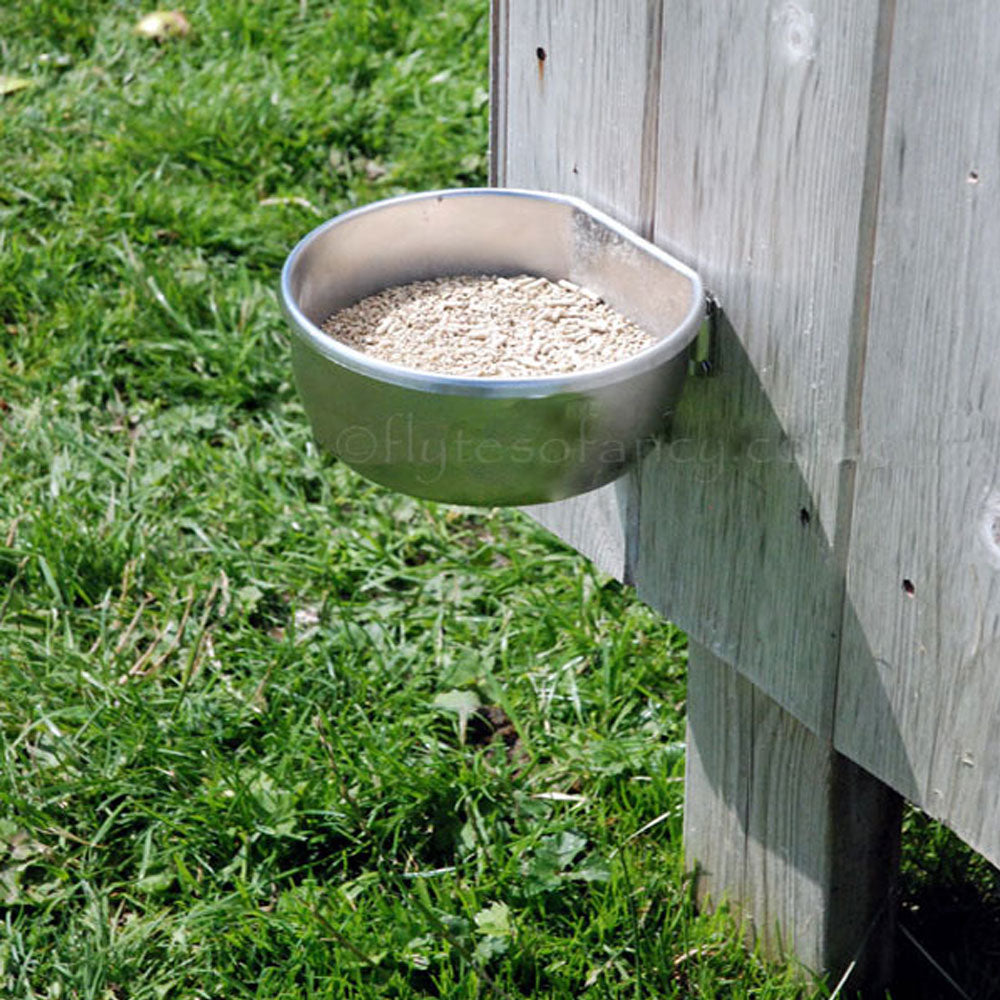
(267, 730)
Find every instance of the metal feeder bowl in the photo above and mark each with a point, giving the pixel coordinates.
(487, 441)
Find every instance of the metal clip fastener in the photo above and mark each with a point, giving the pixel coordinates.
(703, 360)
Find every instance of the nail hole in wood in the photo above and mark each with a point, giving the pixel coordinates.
(908, 588)
(973, 177)
(540, 54)
(804, 516)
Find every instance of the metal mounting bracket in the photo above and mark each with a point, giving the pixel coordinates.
(704, 360)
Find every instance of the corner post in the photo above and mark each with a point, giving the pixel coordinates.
(799, 842)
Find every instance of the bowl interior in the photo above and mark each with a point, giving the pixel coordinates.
(488, 232)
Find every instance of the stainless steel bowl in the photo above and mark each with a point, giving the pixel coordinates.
(486, 441)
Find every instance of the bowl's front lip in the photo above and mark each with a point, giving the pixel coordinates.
(663, 350)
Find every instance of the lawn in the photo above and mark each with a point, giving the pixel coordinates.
(268, 730)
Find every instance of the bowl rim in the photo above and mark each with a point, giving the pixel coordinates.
(664, 349)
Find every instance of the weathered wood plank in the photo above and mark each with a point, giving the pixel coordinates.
(801, 843)
(919, 695)
(575, 110)
(764, 135)
(580, 107)
(596, 523)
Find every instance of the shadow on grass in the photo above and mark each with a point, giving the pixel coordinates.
(948, 927)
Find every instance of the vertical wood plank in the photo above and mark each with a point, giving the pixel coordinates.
(576, 94)
(919, 695)
(580, 109)
(764, 135)
(801, 843)
(499, 72)
(596, 523)
(768, 128)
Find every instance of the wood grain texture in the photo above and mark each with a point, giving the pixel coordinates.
(764, 135)
(499, 52)
(801, 843)
(575, 110)
(834, 174)
(596, 523)
(919, 695)
(581, 79)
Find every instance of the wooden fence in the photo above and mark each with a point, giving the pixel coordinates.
(824, 518)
